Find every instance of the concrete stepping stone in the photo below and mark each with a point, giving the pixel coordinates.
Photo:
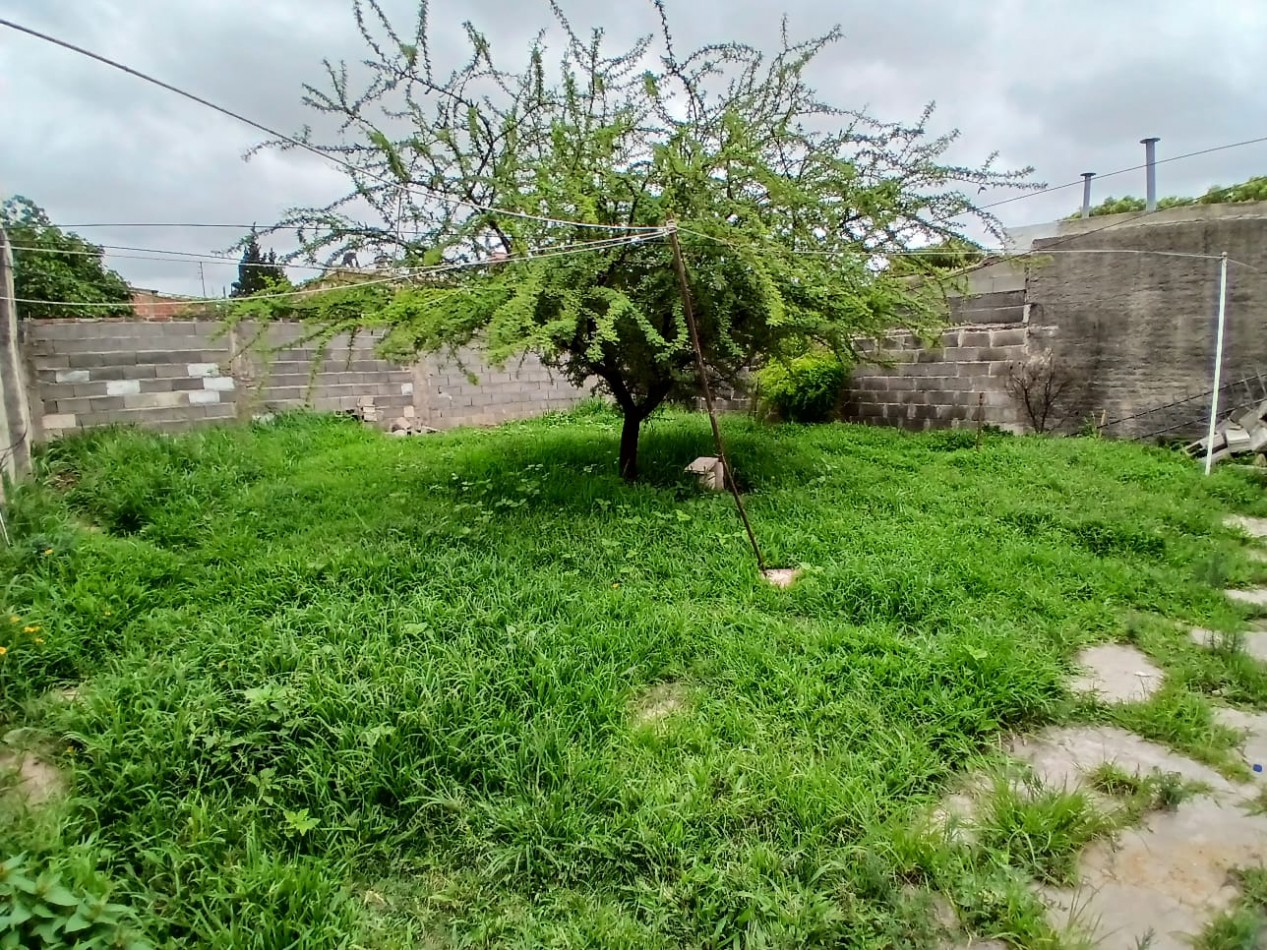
(1169, 877)
(1256, 597)
(1254, 527)
(1116, 673)
(1062, 756)
(1253, 725)
(1252, 642)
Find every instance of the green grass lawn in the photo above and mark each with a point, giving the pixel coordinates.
(335, 689)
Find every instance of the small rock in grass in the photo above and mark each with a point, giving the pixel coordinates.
(1115, 673)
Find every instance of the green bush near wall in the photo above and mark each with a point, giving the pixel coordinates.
(806, 389)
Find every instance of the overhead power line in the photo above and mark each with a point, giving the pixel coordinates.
(1123, 171)
(582, 247)
(306, 146)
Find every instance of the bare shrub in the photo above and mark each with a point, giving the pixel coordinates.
(1045, 388)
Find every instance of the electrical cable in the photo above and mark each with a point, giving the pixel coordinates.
(563, 251)
(1123, 171)
(306, 146)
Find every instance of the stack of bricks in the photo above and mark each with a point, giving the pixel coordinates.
(96, 372)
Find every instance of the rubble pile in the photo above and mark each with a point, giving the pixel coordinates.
(1243, 434)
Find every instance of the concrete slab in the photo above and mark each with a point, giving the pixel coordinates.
(1116, 673)
(1254, 527)
(34, 780)
(1253, 726)
(1252, 642)
(1168, 878)
(1257, 597)
(1061, 756)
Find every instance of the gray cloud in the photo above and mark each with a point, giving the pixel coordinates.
(1063, 87)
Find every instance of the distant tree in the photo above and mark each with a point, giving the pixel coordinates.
(949, 255)
(785, 202)
(1253, 189)
(50, 264)
(257, 272)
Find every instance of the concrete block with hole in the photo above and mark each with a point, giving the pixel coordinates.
(710, 471)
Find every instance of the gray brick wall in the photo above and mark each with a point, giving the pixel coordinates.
(1138, 330)
(961, 377)
(949, 385)
(176, 374)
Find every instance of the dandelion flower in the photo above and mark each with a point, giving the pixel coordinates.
(48, 551)
(614, 586)
(3, 650)
(39, 641)
(13, 618)
(107, 613)
(32, 628)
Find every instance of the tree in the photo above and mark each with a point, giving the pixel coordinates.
(257, 272)
(50, 264)
(784, 204)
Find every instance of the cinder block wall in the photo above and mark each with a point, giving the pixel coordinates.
(1137, 330)
(948, 385)
(181, 373)
(94, 372)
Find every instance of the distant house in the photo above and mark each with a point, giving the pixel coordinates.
(156, 305)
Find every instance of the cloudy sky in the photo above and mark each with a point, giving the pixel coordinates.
(1063, 85)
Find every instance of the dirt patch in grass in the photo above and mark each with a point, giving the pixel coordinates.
(658, 704)
(29, 778)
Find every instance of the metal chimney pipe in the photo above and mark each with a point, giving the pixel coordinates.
(1086, 193)
(1150, 164)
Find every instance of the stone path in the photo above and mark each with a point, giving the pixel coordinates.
(1160, 883)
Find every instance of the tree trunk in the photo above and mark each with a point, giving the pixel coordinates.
(629, 432)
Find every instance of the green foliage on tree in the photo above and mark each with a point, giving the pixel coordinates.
(786, 205)
(50, 264)
(1253, 189)
(257, 272)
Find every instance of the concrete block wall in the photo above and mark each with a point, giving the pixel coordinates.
(1133, 319)
(943, 386)
(95, 372)
(467, 391)
(181, 373)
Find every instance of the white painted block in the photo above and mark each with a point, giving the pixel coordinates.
(198, 370)
(406, 389)
(218, 383)
(123, 387)
(73, 376)
(60, 420)
(203, 397)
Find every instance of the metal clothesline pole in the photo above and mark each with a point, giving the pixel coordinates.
(1218, 363)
